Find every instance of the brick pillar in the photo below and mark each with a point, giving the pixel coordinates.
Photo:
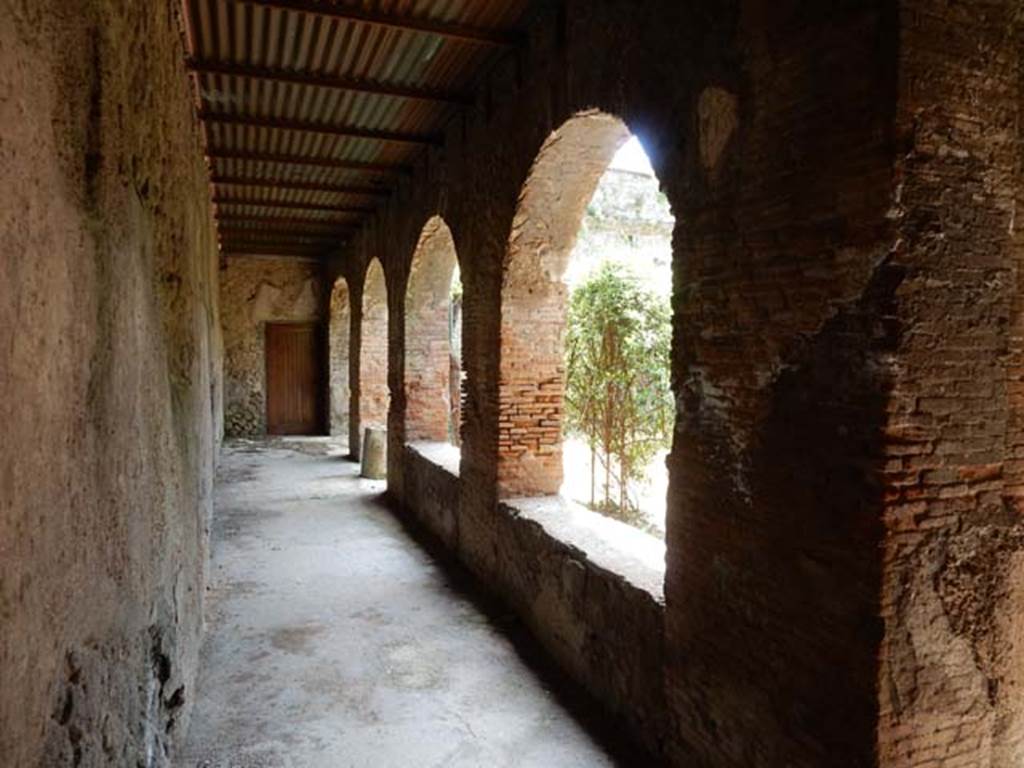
(781, 363)
(373, 356)
(338, 356)
(354, 360)
(534, 301)
(953, 590)
(427, 344)
(845, 549)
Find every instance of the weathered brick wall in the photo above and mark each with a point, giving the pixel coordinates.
(427, 346)
(534, 300)
(110, 365)
(841, 512)
(373, 351)
(254, 292)
(953, 585)
(338, 332)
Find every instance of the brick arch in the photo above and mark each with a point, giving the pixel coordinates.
(428, 348)
(373, 352)
(534, 299)
(338, 337)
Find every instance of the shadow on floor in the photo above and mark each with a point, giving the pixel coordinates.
(605, 729)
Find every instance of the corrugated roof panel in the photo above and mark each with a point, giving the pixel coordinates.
(247, 32)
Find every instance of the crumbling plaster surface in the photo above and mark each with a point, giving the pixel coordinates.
(254, 292)
(803, 266)
(109, 383)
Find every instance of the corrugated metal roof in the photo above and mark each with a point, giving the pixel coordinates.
(252, 61)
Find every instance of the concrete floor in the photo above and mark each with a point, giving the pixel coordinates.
(333, 639)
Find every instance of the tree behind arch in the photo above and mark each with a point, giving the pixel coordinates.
(618, 389)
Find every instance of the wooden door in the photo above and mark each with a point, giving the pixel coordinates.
(294, 379)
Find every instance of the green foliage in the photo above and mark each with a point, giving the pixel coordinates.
(618, 390)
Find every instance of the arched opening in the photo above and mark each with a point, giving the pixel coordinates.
(586, 409)
(338, 356)
(373, 354)
(432, 328)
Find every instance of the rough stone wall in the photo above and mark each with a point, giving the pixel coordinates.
(846, 319)
(338, 346)
(254, 292)
(109, 383)
(427, 346)
(436, 489)
(602, 626)
(373, 351)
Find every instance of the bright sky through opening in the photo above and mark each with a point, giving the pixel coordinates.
(631, 157)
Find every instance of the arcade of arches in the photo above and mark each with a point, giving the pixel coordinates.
(365, 221)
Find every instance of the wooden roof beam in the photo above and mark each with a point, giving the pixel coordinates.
(290, 247)
(242, 250)
(282, 249)
(333, 224)
(463, 32)
(320, 80)
(284, 124)
(317, 162)
(227, 200)
(288, 231)
(256, 181)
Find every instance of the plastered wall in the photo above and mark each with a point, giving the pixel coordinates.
(110, 385)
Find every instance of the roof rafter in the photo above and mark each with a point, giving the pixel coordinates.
(243, 250)
(320, 80)
(285, 124)
(271, 229)
(257, 181)
(318, 162)
(284, 243)
(463, 32)
(334, 224)
(285, 205)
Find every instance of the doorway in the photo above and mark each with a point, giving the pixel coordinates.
(295, 385)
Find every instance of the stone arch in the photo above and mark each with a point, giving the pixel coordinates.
(338, 339)
(428, 348)
(373, 353)
(534, 299)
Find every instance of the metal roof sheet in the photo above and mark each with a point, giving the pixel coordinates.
(267, 124)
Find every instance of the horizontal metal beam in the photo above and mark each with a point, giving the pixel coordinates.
(284, 124)
(256, 181)
(314, 255)
(293, 236)
(332, 224)
(451, 31)
(278, 249)
(227, 200)
(296, 237)
(320, 80)
(311, 248)
(317, 162)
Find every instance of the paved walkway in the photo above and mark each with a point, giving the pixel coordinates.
(333, 640)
